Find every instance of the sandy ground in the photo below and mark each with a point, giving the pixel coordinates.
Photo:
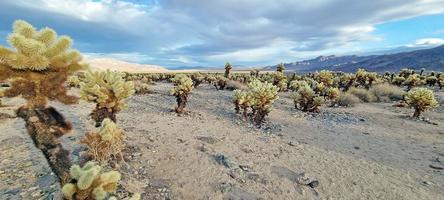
(371, 151)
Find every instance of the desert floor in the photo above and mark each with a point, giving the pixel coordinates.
(371, 151)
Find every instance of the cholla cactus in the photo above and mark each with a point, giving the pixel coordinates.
(441, 82)
(254, 73)
(346, 81)
(182, 88)
(39, 65)
(73, 81)
(228, 68)
(431, 80)
(259, 97)
(105, 144)
(242, 100)
(333, 95)
(197, 78)
(420, 99)
(220, 83)
(365, 79)
(109, 91)
(280, 81)
(280, 67)
(406, 72)
(262, 96)
(295, 85)
(412, 81)
(398, 80)
(325, 77)
(141, 87)
(91, 183)
(307, 100)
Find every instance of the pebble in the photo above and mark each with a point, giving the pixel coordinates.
(435, 166)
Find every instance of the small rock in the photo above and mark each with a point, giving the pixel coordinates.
(46, 181)
(313, 184)
(225, 161)
(427, 183)
(366, 133)
(362, 120)
(356, 147)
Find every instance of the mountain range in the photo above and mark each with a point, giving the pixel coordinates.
(429, 59)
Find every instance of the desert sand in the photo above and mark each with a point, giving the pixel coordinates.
(371, 151)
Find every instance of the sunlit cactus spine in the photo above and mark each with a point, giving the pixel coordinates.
(346, 81)
(141, 87)
(109, 91)
(228, 68)
(295, 85)
(307, 100)
(105, 144)
(182, 89)
(91, 183)
(326, 77)
(431, 80)
(398, 80)
(73, 81)
(38, 65)
(406, 72)
(420, 99)
(254, 73)
(441, 81)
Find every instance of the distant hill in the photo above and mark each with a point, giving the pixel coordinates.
(119, 65)
(430, 59)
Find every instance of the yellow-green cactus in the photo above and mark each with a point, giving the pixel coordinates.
(73, 81)
(280, 81)
(412, 81)
(91, 182)
(108, 90)
(333, 95)
(295, 85)
(307, 100)
(141, 87)
(38, 65)
(197, 78)
(181, 90)
(259, 97)
(241, 100)
(420, 99)
(325, 77)
(228, 68)
(220, 83)
(280, 67)
(106, 143)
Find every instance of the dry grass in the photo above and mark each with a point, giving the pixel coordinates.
(347, 99)
(386, 92)
(363, 94)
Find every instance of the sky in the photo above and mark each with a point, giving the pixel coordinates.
(209, 33)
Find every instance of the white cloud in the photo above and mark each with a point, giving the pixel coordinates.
(427, 42)
(210, 32)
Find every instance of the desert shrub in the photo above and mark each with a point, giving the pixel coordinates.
(142, 88)
(260, 97)
(105, 144)
(295, 84)
(220, 83)
(346, 81)
(235, 85)
(280, 81)
(182, 89)
(307, 100)
(108, 90)
(90, 182)
(420, 99)
(363, 94)
(347, 99)
(386, 92)
(197, 78)
(228, 68)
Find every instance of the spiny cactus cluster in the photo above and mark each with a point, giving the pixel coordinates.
(307, 100)
(280, 81)
(228, 68)
(109, 91)
(197, 78)
(90, 182)
(280, 67)
(259, 97)
(142, 87)
(220, 83)
(182, 89)
(105, 144)
(39, 65)
(420, 99)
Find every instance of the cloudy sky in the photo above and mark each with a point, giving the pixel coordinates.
(244, 32)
